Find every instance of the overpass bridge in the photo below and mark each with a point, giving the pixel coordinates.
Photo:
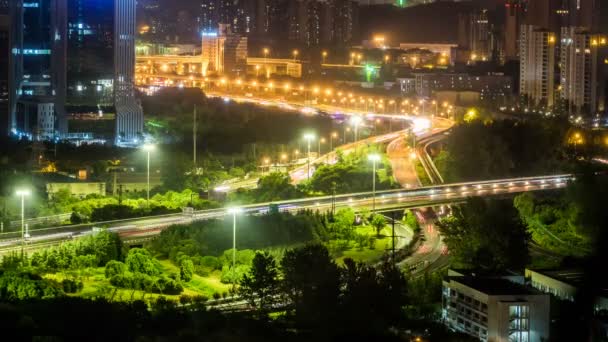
(388, 200)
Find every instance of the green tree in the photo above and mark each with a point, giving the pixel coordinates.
(274, 187)
(311, 281)
(378, 222)
(410, 220)
(186, 269)
(486, 233)
(139, 260)
(260, 286)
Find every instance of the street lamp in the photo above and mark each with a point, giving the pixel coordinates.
(22, 193)
(148, 148)
(308, 137)
(331, 140)
(266, 163)
(356, 121)
(321, 141)
(324, 54)
(295, 55)
(234, 212)
(374, 158)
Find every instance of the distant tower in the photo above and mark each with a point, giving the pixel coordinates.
(129, 114)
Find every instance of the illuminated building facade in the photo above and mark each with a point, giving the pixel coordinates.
(37, 69)
(581, 59)
(224, 52)
(537, 64)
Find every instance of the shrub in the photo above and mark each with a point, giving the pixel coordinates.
(199, 299)
(71, 285)
(124, 280)
(201, 271)
(211, 262)
(185, 299)
(233, 275)
(114, 267)
(168, 286)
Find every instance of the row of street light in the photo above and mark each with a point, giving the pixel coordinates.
(336, 97)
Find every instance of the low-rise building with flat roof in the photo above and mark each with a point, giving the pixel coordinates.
(563, 284)
(495, 309)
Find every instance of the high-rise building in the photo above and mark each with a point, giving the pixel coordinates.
(224, 52)
(474, 34)
(240, 15)
(346, 22)
(316, 22)
(585, 13)
(537, 63)
(208, 17)
(37, 69)
(90, 61)
(267, 17)
(4, 66)
(544, 14)
(100, 62)
(514, 11)
(581, 58)
(129, 114)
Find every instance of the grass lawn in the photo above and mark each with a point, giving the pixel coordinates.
(96, 284)
(368, 255)
(205, 286)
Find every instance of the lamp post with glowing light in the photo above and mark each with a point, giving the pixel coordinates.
(266, 51)
(331, 140)
(324, 55)
(234, 212)
(356, 121)
(23, 193)
(321, 141)
(308, 137)
(374, 158)
(295, 55)
(148, 148)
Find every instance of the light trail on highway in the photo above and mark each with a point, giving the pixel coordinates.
(387, 200)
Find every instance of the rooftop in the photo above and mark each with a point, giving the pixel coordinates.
(574, 277)
(494, 286)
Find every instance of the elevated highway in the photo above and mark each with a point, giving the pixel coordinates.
(387, 200)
